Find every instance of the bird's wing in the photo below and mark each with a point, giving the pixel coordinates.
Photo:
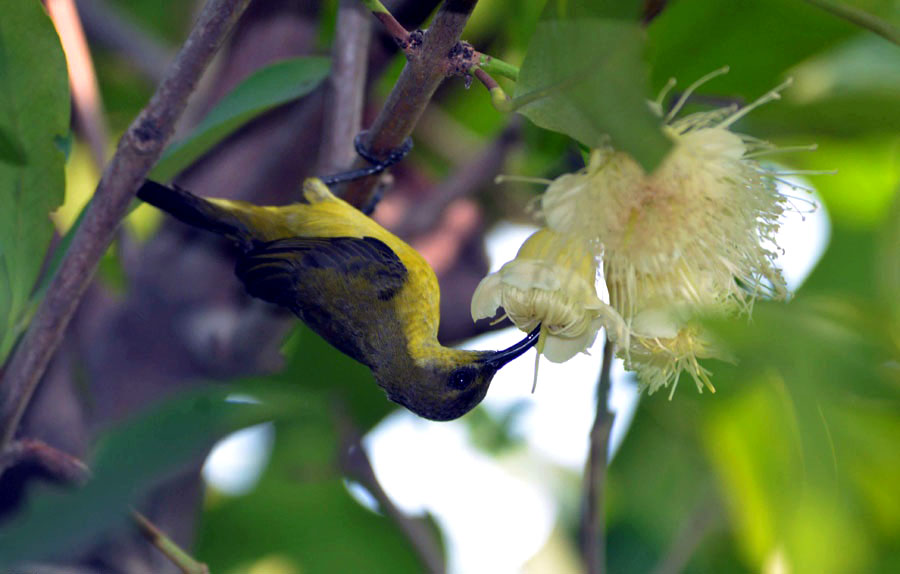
(296, 272)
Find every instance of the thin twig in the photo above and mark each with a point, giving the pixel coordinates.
(391, 25)
(82, 78)
(493, 65)
(346, 87)
(424, 72)
(60, 465)
(138, 150)
(593, 532)
(184, 561)
(860, 18)
(356, 464)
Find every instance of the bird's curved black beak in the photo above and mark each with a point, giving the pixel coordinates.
(499, 358)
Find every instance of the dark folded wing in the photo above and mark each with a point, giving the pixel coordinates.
(301, 271)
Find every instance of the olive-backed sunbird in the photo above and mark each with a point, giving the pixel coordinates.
(357, 285)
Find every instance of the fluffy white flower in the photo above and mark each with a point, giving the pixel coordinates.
(697, 234)
(551, 283)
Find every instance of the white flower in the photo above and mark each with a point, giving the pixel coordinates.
(551, 283)
(695, 235)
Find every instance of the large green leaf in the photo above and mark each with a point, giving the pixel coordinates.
(586, 78)
(34, 115)
(800, 439)
(758, 39)
(131, 458)
(265, 89)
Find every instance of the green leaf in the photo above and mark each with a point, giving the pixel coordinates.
(851, 89)
(758, 39)
(799, 433)
(578, 9)
(34, 114)
(316, 365)
(265, 89)
(887, 268)
(11, 151)
(860, 18)
(585, 78)
(130, 459)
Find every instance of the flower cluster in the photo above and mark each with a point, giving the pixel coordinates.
(694, 236)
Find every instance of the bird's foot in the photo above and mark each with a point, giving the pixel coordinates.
(378, 164)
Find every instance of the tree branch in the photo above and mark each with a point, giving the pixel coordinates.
(422, 75)
(60, 465)
(593, 535)
(346, 86)
(138, 150)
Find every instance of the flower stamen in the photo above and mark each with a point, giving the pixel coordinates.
(693, 87)
(773, 94)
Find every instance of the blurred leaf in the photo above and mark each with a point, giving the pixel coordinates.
(265, 89)
(131, 458)
(579, 9)
(314, 364)
(34, 112)
(759, 39)
(848, 90)
(888, 264)
(861, 18)
(859, 196)
(585, 78)
(661, 485)
(302, 513)
(804, 421)
(860, 64)
(11, 151)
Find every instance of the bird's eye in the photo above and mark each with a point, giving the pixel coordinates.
(461, 378)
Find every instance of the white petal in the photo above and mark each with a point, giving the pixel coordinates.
(715, 141)
(530, 274)
(655, 322)
(486, 299)
(616, 328)
(561, 349)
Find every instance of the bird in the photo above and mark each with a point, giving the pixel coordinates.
(361, 288)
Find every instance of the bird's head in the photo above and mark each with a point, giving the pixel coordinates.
(451, 383)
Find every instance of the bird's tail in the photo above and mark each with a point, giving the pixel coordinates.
(194, 210)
